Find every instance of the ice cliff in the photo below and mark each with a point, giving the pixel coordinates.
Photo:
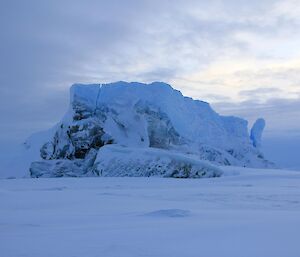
(135, 129)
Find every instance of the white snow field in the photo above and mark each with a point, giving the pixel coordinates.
(245, 213)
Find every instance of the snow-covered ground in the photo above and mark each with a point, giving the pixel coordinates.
(248, 213)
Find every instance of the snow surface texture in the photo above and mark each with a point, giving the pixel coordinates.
(255, 213)
(116, 161)
(143, 118)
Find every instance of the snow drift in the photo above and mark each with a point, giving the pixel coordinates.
(146, 162)
(149, 125)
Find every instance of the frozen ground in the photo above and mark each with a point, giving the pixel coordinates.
(254, 214)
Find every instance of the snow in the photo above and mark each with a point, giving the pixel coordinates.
(194, 120)
(136, 115)
(245, 213)
(113, 160)
(17, 162)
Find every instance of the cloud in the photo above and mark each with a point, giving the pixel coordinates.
(278, 112)
(261, 94)
(219, 51)
(259, 91)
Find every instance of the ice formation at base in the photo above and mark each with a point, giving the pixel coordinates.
(135, 129)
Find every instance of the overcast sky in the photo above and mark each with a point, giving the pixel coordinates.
(241, 56)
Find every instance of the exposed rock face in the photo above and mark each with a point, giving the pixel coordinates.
(140, 116)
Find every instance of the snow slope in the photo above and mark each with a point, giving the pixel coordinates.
(139, 116)
(245, 213)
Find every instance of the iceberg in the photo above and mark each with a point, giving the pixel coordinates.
(128, 129)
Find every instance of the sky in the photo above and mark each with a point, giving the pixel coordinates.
(243, 57)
